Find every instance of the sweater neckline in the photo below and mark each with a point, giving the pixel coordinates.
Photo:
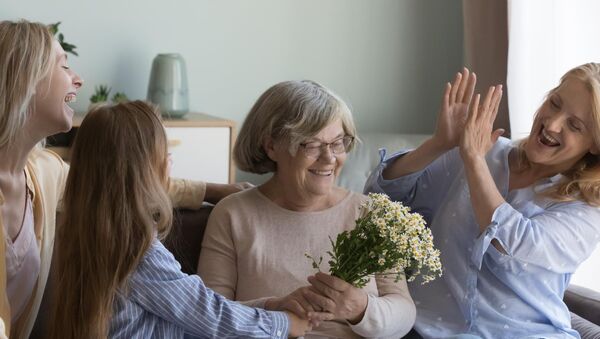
(328, 210)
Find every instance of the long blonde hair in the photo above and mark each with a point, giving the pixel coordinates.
(115, 201)
(26, 58)
(583, 179)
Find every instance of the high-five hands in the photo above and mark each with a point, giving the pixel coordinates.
(478, 136)
(453, 112)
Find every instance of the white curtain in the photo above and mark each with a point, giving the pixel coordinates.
(546, 39)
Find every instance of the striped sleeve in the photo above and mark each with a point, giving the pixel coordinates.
(159, 286)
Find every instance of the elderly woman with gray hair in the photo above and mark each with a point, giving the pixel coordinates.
(255, 242)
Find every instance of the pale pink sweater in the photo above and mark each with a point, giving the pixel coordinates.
(253, 249)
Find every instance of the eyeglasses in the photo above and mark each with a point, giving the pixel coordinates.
(314, 149)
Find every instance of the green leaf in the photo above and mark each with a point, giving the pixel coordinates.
(54, 28)
(69, 48)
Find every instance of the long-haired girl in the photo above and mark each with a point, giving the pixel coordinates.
(115, 277)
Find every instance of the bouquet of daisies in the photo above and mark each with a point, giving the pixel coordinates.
(388, 239)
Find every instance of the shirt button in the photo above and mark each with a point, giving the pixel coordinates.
(279, 333)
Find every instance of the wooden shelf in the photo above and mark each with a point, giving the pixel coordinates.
(201, 146)
(189, 120)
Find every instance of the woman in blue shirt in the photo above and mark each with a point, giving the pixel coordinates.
(512, 221)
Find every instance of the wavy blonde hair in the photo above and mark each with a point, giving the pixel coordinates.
(26, 58)
(292, 111)
(583, 179)
(114, 203)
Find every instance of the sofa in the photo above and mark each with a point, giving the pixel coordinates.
(186, 237)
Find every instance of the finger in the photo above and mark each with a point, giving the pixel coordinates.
(333, 282)
(319, 302)
(463, 85)
(323, 289)
(473, 109)
(470, 88)
(316, 318)
(321, 316)
(497, 134)
(446, 97)
(306, 305)
(487, 101)
(455, 86)
(496, 103)
(294, 307)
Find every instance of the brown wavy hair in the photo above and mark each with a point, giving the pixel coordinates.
(114, 204)
(583, 179)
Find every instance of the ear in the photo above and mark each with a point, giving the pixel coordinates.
(269, 147)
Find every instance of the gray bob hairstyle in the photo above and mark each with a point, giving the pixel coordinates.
(292, 111)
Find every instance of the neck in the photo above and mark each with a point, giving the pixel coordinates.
(293, 200)
(523, 175)
(14, 156)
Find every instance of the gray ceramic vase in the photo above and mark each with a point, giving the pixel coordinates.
(168, 86)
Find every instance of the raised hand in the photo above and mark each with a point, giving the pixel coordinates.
(478, 136)
(454, 109)
(334, 295)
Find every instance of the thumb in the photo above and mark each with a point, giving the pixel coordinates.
(497, 133)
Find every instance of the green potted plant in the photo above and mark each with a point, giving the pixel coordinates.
(69, 48)
(119, 97)
(100, 96)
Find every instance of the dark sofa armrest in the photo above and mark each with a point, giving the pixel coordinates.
(185, 238)
(584, 302)
(584, 305)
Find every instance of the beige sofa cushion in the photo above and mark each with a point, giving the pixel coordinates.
(365, 156)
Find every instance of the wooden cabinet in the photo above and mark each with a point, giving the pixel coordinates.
(200, 146)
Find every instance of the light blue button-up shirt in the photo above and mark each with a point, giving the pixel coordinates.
(483, 291)
(164, 302)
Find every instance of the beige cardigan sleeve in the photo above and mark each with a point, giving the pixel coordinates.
(187, 193)
(390, 314)
(217, 264)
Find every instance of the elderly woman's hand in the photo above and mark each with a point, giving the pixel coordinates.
(297, 303)
(336, 296)
(478, 136)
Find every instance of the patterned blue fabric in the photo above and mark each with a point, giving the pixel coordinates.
(483, 291)
(163, 302)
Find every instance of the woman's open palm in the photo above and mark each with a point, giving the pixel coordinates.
(454, 110)
(479, 135)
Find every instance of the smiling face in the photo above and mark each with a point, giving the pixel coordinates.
(562, 132)
(310, 177)
(52, 113)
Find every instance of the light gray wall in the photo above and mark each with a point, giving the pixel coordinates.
(388, 58)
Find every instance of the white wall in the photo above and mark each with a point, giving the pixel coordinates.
(387, 58)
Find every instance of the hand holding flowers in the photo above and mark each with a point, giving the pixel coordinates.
(387, 240)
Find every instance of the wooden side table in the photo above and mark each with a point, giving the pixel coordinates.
(200, 146)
